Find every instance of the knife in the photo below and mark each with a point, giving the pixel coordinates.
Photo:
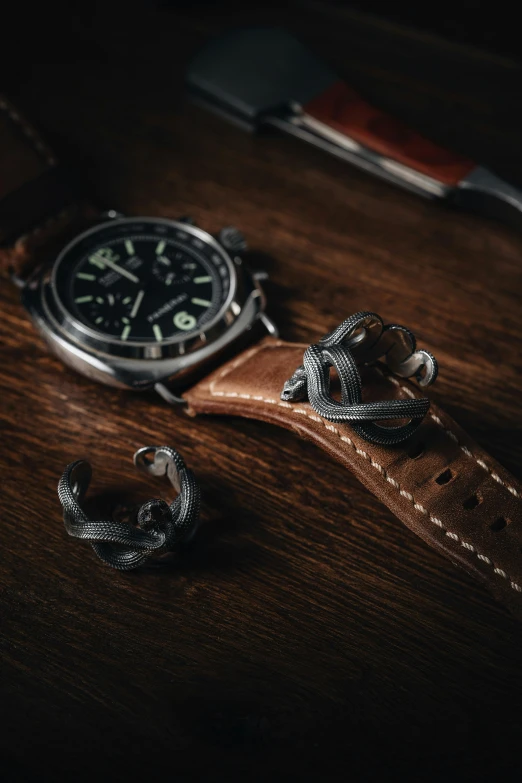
(264, 77)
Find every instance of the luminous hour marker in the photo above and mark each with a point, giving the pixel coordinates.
(100, 299)
(127, 300)
(158, 334)
(201, 302)
(99, 319)
(129, 247)
(97, 261)
(126, 332)
(184, 321)
(84, 276)
(82, 299)
(110, 298)
(164, 260)
(160, 247)
(205, 279)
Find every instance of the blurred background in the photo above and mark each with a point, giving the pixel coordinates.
(399, 652)
(492, 27)
(450, 70)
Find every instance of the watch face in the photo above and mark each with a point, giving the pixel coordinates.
(144, 281)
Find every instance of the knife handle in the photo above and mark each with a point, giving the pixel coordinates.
(342, 109)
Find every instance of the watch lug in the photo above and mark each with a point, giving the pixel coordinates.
(269, 325)
(168, 396)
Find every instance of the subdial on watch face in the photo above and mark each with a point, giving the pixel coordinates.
(168, 268)
(109, 311)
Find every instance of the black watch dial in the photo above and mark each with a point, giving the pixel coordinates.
(143, 281)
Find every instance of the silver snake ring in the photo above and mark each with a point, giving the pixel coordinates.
(363, 339)
(159, 527)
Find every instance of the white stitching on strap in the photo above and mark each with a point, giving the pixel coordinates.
(241, 360)
(455, 439)
(479, 461)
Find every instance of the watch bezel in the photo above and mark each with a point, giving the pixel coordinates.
(179, 345)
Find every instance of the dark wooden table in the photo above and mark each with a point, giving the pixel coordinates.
(305, 634)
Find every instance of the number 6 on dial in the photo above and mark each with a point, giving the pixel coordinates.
(184, 321)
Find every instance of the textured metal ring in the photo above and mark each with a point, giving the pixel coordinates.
(159, 527)
(363, 339)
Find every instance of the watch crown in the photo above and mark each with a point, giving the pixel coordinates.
(232, 239)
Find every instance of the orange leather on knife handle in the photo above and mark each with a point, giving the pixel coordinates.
(341, 108)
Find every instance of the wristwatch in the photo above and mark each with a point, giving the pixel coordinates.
(153, 303)
(131, 302)
(138, 302)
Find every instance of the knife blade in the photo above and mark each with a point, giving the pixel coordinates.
(264, 77)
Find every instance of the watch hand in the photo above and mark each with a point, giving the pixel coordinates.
(120, 270)
(136, 305)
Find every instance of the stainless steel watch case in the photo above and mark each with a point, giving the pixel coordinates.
(150, 365)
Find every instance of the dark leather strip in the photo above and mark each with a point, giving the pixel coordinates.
(36, 199)
(33, 202)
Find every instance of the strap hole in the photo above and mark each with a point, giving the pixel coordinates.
(472, 502)
(416, 451)
(444, 477)
(499, 524)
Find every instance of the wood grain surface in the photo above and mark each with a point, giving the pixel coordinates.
(305, 634)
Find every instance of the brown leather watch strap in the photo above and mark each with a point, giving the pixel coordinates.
(439, 483)
(36, 199)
